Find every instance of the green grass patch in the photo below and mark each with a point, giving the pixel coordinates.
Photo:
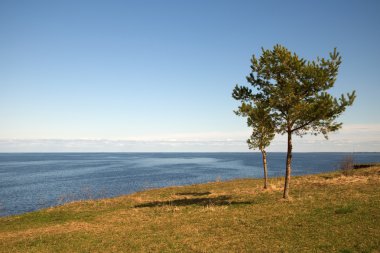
(345, 209)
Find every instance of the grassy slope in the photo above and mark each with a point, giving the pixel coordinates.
(327, 213)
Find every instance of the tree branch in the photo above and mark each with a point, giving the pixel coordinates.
(303, 125)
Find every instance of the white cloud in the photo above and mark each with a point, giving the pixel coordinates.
(365, 138)
(351, 138)
(118, 146)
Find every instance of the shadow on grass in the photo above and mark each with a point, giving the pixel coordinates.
(193, 193)
(217, 201)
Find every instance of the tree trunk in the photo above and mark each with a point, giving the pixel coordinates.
(265, 168)
(288, 165)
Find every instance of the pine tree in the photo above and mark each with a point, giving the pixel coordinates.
(259, 119)
(295, 90)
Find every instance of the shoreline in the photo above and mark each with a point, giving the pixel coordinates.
(277, 178)
(329, 212)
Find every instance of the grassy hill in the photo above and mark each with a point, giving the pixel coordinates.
(327, 213)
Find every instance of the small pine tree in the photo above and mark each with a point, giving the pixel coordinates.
(259, 119)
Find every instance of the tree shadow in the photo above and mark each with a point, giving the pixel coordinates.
(327, 177)
(217, 201)
(193, 193)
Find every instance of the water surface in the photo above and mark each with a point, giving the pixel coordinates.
(30, 181)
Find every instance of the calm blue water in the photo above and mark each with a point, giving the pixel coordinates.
(36, 180)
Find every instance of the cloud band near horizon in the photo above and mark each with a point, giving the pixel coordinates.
(351, 138)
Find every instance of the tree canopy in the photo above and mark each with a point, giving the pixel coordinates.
(259, 119)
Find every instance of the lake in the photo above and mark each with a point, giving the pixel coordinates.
(30, 181)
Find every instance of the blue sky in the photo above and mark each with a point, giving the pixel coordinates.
(158, 75)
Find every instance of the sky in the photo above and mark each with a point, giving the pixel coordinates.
(157, 76)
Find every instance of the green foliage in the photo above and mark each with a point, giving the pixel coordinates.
(260, 121)
(295, 90)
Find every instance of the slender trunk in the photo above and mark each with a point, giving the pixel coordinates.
(288, 165)
(265, 168)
